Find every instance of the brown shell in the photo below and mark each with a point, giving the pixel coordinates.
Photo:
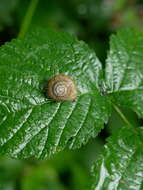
(62, 88)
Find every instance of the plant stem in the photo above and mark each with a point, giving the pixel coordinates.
(28, 17)
(122, 115)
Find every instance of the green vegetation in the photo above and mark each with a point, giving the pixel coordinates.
(49, 145)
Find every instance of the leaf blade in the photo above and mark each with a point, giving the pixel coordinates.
(35, 125)
(124, 69)
(121, 164)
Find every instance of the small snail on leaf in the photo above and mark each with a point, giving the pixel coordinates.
(62, 88)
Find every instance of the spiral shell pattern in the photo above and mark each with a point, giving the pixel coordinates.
(61, 88)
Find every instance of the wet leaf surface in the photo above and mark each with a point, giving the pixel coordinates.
(32, 124)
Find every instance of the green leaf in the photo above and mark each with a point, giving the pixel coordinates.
(10, 172)
(6, 9)
(45, 177)
(124, 69)
(120, 167)
(30, 123)
(121, 164)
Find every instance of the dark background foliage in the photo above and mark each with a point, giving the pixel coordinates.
(93, 22)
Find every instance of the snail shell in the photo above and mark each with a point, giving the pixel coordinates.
(61, 88)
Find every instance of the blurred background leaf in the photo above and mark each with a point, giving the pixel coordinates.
(7, 8)
(67, 170)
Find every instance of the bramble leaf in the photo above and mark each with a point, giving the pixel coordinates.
(124, 69)
(120, 167)
(121, 164)
(30, 123)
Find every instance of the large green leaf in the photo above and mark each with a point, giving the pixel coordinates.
(124, 69)
(30, 123)
(120, 167)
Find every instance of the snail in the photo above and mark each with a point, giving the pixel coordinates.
(62, 88)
